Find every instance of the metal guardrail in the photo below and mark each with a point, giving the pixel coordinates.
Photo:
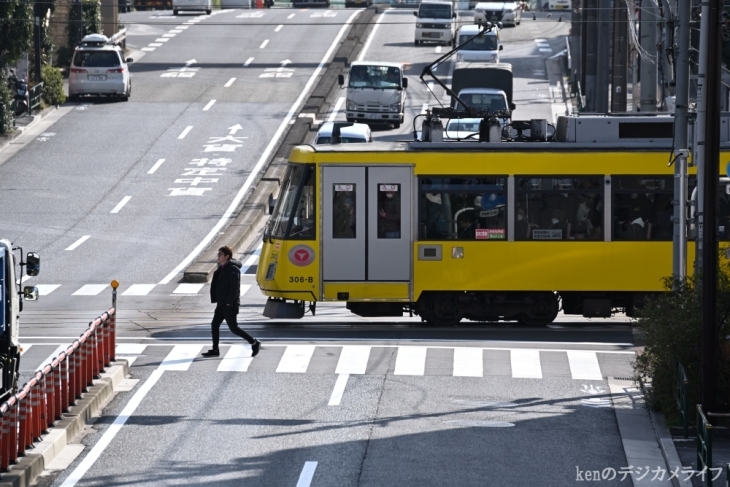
(683, 398)
(53, 389)
(581, 101)
(120, 38)
(704, 444)
(35, 95)
(568, 58)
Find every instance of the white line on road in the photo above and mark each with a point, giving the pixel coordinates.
(230, 82)
(155, 44)
(139, 290)
(263, 44)
(237, 359)
(121, 204)
(291, 16)
(371, 36)
(244, 289)
(210, 104)
(162, 39)
(438, 49)
(264, 156)
(78, 242)
(336, 110)
(148, 49)
(46, 289)
(180, 357)
(410, 361)
(295, 359)
(468, 362)
(526, 364)
(353, 359)
(53, 355)
(112, 431)
(338, 390)
(130, 348)
(188, 289)
(248, 61)
(185, 132)
(278, 28)
(305, 478)
(584, 365)
(156, 166)
(90, 289)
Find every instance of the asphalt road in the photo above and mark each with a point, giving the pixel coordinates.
(333, 399)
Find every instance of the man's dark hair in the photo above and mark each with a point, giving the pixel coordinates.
(226, 250)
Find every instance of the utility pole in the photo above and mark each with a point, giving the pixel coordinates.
(590, 20)
(701, 133)
(603, 52)
(710, 180)
(620, 58)
(649, 67)
(679, 249)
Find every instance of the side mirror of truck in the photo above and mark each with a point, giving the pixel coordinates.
(501, 47)
(30, 293)
(405, 82)
(512, 106)
(453, 16)
(341, 80)
(415, 14)
(129, 60)
(32, 264)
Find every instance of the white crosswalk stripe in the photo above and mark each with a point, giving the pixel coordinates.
(46, 289)
(90, 289)
(584, 365)
(188, 289)
(353, 359)
(468, 362)
(237, 359)
(296, 359)
(129, 351)
(181, 357)
(410, 361)
(526, 364)
(139, 290)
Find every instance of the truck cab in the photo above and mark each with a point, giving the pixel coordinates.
(376, 93)
(10, 307)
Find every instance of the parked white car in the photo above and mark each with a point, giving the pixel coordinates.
(353, 134)
(484, 48)
(509, 13)
(98, 67)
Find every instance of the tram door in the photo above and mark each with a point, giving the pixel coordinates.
(366, 223)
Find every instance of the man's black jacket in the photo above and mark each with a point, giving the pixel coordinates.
(225, 289)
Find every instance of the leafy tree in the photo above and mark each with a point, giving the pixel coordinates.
(16, 29)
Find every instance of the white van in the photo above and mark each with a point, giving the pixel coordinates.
(184, 5)
(436, 22)
(352, 134)
(484, 48)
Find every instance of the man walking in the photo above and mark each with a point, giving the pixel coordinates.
(225, 291)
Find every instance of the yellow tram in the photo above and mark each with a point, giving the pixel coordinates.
(485, 232)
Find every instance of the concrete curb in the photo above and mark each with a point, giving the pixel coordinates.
(36, 460)
(669, 450)
(254, 208)
(7, 139)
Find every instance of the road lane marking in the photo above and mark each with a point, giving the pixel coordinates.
(353, 359)
(78, 242)
(263, 44)
(121, 204)
(176, 31)
(162, 39)
(46, 289)
(278, 28)
(148, 49)
(545, 50)
(237, 359)
(188, 289)
(180, 357)
(295, 359)
(155, 44)
(130, 348)
(468, 362)
(24, 349)
(230, 82)
(156, 166)
(210, 104)
(410, 361)
(185, 132)
(248, 61)
(169, 35)
(182, 27)
(139, 290)
(371, 36)
(305, 478)
(252, 259)
(291, 16)
(526, 364)
(263, 159)
(584, 365)
(338, 390)
(336, 110)
(90, 289)
(438, 49)
(53, 355)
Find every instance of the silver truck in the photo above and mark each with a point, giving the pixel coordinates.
(376, 93)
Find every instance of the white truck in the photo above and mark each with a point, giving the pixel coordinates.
(483, 86)
(376, 93)
(10, 307)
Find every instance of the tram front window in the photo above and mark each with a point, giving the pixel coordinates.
(293, 217)
(467, 208)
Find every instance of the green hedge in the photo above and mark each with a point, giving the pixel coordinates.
(6, 97)
(90, 20)
(53, 93)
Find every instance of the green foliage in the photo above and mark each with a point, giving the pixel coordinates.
(53, 93)
(16, 29)
(6, 98)
(63, 56)
(90, 21)
(671, 328)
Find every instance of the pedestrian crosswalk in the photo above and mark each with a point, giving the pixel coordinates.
(404, 360)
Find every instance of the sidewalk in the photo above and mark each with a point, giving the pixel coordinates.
(687, 450)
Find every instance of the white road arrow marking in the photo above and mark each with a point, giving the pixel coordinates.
(234, 129)
(192, 61)
(285, 62)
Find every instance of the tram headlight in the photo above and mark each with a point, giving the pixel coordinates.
(395, 107)
(351, 105)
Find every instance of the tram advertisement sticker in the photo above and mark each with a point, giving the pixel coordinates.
(301, 255)
(389, 188)
(489, 233)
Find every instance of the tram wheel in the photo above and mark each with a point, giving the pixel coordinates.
(442, 321)
(545, 311)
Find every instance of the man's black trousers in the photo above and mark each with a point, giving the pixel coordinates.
(228, 313)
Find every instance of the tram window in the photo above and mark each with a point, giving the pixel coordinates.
(642, 207)
(294, 214)
(569, 208)
(466, 208)
(389, 211)
(343, 211)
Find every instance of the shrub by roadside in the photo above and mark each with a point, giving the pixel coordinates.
(670, 325)
(53, 93)
(6, 98)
